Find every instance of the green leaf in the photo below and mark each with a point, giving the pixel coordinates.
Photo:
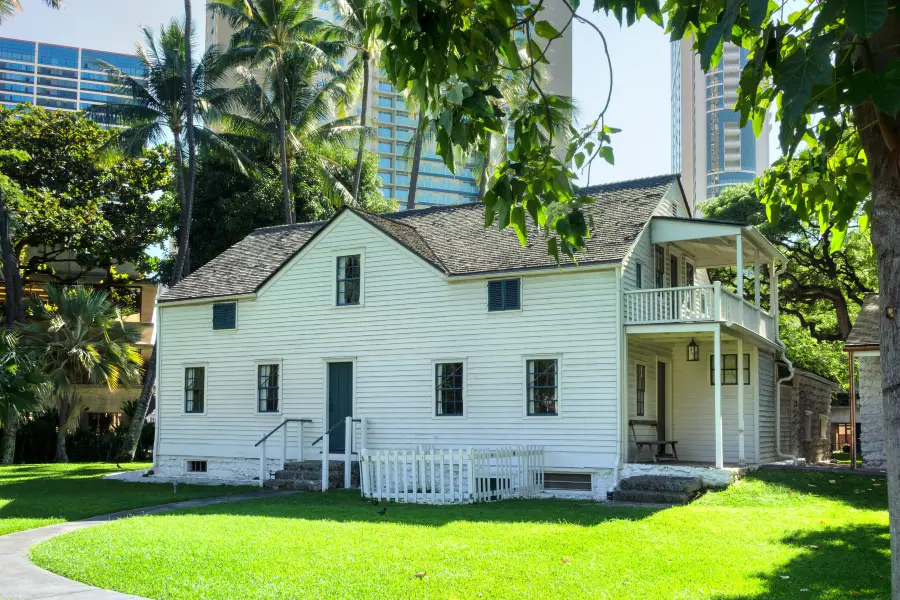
(837, 238)
(545, 30)
(865, 17)
(798, 73)
(517, 219)
(886, 91)
(719, 32)
(606, 153)
(758, 10)
(537, 53)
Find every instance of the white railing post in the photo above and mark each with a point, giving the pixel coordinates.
(262, 465)
(717, 300)
(348, 450)
(325, 446)
(363, 424)
(739, 243)
(284, 428)
(300, 442)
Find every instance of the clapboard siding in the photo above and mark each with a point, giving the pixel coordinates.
(412, 315)
(693, 410)
(767, 450)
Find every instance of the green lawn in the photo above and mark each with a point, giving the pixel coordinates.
(36, 495)
(773, 535)
(844, 457)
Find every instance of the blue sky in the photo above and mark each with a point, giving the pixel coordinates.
(640, 54)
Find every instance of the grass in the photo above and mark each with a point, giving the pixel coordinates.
(37, 495)
(773, 535)
(844, 458)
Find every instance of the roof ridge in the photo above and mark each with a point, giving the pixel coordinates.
(628, 181)
(411, 228)
(288, 226)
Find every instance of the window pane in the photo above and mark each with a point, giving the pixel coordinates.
(348, 279)
(193, 389)
(449, 388)
(542, 386)
(268, 388)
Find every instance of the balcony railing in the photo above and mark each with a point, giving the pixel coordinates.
(699, 303)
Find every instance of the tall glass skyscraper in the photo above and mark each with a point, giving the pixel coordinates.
(395, 123)
(59, 77)
(709, 147)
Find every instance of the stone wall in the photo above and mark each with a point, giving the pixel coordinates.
(871, 413)
(805, 414)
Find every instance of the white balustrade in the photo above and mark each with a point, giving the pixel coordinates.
(700, 303)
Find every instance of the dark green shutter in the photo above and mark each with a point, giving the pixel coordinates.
(503, 294)
(495, 295)
(224, 315)
(511, 294)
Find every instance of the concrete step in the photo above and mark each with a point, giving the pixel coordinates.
(660, 483)
(649, 497)
(307, 476)
(294, 484)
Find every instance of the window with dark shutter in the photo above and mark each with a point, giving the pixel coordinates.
(225, 315)
(504, 294)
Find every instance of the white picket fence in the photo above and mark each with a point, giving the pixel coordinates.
(435, 476)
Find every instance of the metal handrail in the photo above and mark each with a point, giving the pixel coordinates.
(280, 425)
(327, 432)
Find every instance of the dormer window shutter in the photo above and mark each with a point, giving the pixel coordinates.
(225, 315)
(511, 294)
(495, 295)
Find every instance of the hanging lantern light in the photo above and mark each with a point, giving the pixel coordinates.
(693, 351)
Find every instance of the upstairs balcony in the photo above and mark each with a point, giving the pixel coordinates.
(697, 304)
(707, 245)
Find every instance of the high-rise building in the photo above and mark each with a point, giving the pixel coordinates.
(60, 77)
(709, 147)
(395, 123)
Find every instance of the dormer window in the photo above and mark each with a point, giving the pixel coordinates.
(225, 315)
(504, 294)
(349, 280)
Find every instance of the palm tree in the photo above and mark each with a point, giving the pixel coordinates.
(82, 339)
(360, 21)
(267, 33)
(419, 139)
(160, 109)
(8, 8)
(22, 386)
(315, 92)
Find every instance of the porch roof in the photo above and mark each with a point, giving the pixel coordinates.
(712, 243)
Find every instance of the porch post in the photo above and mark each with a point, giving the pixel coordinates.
(740, 400)
(739, 245)
(756, 284)
(773, 291)
(717, 378)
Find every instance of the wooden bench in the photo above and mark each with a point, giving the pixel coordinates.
(660, 445)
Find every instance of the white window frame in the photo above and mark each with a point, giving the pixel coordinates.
(637, 364)
(205, 367)
(434, 395)
(559, 376)
(335, 256)
(196, 473)
(256, 365)
(747, 382)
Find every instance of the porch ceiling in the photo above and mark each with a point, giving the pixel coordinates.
(713, 243)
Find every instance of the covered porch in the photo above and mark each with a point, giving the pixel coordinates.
(704, 391)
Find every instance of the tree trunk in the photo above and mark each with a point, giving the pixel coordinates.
(486, 171)
(192, 145)
(133, 437)
(880, 135)
(13, 309)
(282, 141)
(61, 455)
(417, 159)
(357, 173)
(10, 425)
(184, 231)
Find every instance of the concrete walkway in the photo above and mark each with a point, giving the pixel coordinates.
(20, 579)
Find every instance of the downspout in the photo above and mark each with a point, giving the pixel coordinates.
(620, 380)
(779, 381)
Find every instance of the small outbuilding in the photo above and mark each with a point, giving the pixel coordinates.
(863, 345)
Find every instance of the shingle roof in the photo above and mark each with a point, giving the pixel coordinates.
(866, 331)
(451, 238)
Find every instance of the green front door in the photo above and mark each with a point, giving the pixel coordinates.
(340, 402)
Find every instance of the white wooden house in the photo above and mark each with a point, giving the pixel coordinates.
(431, 332)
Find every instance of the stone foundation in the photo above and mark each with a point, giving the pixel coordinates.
(871, 411)
(711, 476)
(238, 471)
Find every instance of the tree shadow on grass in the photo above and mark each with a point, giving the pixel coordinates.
(347, 506)
(835, 562)
(865, 492)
